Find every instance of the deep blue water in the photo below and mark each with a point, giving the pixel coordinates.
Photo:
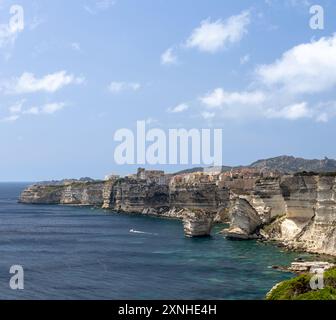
(84, 253)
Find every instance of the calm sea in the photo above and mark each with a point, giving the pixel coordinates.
(84, 253)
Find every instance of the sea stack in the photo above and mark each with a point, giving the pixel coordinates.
(244, 220)
(197, 223)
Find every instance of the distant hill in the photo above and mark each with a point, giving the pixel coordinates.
(287, 164)
(200, 169)
(283, 164)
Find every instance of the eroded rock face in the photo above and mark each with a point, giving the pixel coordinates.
(38, 194)
(267, 199)
(244, 220)
(197, 223)
(201, 196)
(298, 210)
(310, 221)
(79, 193)
(137, 196)
(310, 266)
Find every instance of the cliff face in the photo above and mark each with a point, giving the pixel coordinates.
(310, 221)
(138, 196)
(244, 219)
(79, 193)
(201, 196)
(298, 210)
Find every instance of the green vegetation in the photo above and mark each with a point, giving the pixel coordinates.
(299, 288)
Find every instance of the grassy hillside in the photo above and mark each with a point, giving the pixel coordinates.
(299, 288)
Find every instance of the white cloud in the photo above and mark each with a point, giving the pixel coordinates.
(51, 108)
(219, 98)
(291, 112)
(168, 57)
(214, 36)
(283, 89)
(28, 83)
(98, 6)
(11, 118)
(16, 108)
(179, 108)
(16, 111)
(32, 110)
(117, 87)
(208, 115)
(306, 68)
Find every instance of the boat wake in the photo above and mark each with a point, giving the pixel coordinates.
(142, 232)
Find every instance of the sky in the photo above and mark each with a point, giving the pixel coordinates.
(78, 71)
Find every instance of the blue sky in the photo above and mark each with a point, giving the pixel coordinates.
(80, 70)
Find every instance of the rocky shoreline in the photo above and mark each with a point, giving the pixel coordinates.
(296, 210)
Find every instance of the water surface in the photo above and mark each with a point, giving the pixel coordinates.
(84, 253)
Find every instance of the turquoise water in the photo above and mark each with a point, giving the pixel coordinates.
(84, 253)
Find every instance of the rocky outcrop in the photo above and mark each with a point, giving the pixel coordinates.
(310, 222)
(41, 194)
(297, 210)
(134, 196)
(197, 223)
(206, 196)
(267, 199)
(244, 220)
(310, 266)
(76, 193)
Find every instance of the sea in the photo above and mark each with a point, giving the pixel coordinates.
(88, 254)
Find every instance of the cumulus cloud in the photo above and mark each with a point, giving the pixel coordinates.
(168, 57)
(213, 36)
(179, 108)
(117, 87)
(283, 89)
(291, 112)
(252, 105)
(208, 115)
(49, 108)
(17, 110)
(28, 83)
(219, 97)
(307, 68)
